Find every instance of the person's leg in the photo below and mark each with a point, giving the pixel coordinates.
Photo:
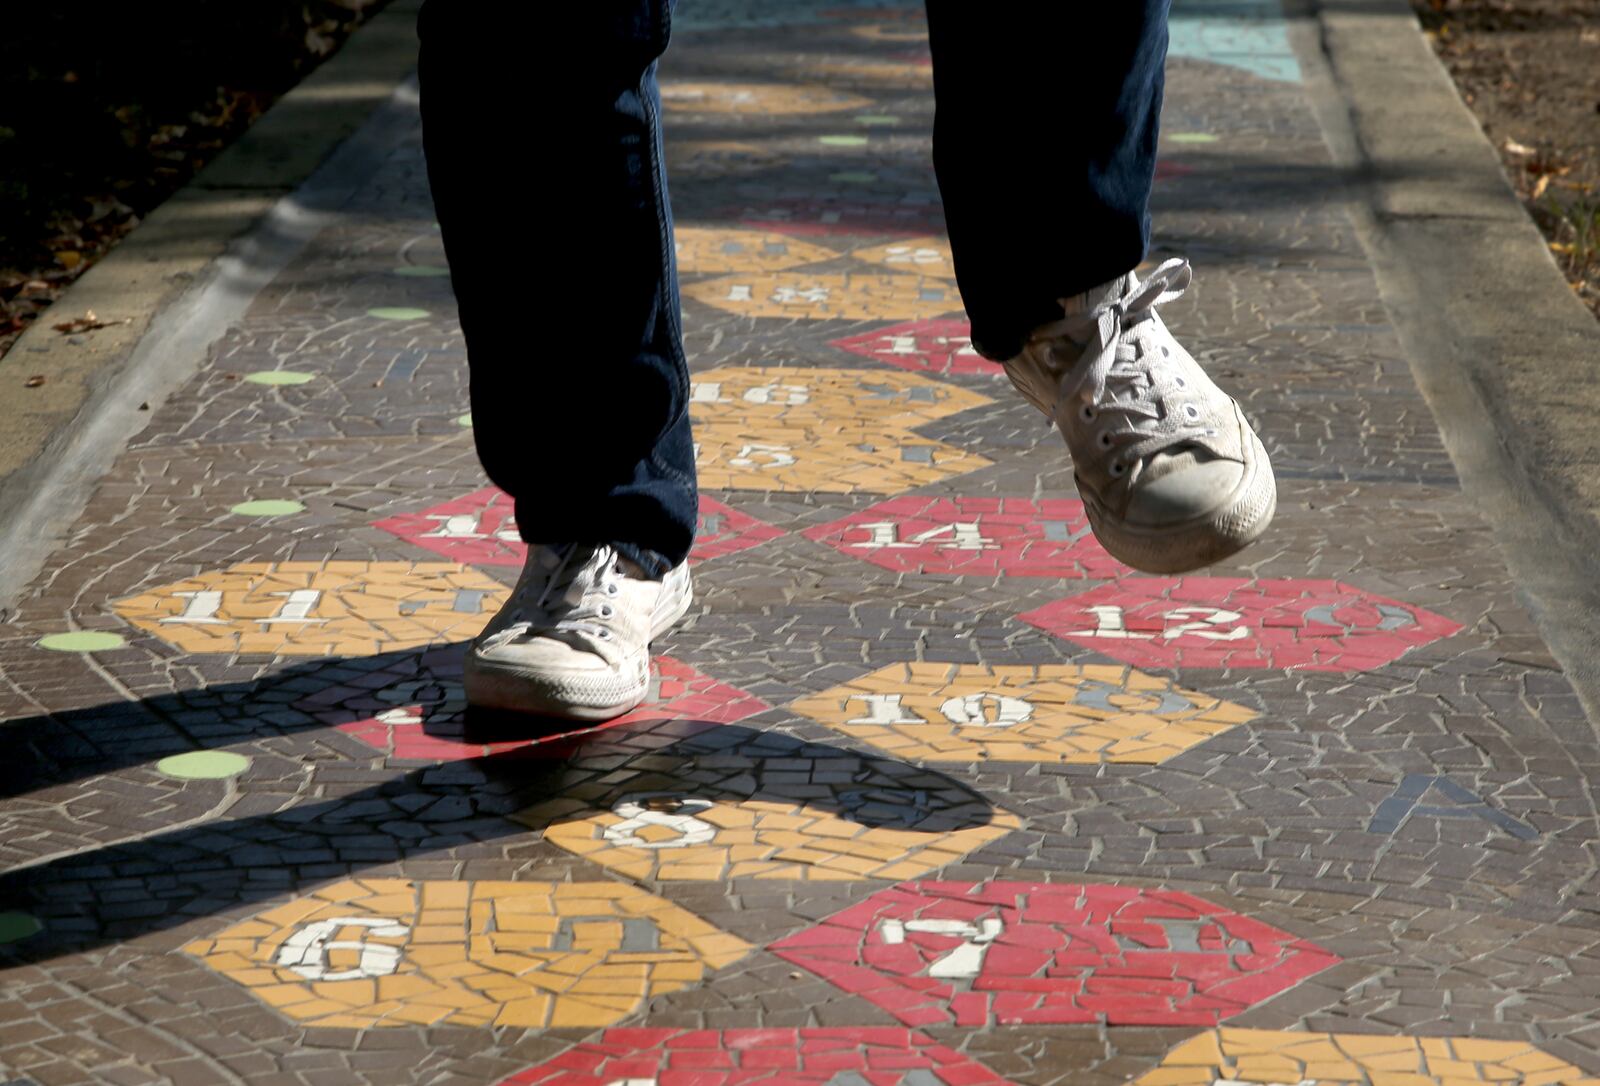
(1045, 150)
(548, 182)
(1045, 147)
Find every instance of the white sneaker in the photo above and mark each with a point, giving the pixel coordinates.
(573, 640)
(1171, 475)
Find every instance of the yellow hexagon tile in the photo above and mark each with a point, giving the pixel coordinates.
(718, 250)
(1258, 1057)
(651, 829)
(826, 430)
(390, 952)
(761, 99)
(827, 296)
(823, 457)
(925, 256)
(1020, 713)
(872, 74)
(779, 394)
(317, 608)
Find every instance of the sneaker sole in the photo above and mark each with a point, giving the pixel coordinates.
(1194, 544)
(496, 694)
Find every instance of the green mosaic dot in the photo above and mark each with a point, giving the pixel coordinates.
(15, 925)
(398, 313)
(422, 271)
(82, 641)
(854, 177)
(877, 119)
(204, 765)
(464, 421)
(279, 377)
(268, 507)
(843, 141)
(1191, 137)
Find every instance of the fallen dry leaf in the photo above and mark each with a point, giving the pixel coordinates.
(1515, 148)
(34, 382)
(1540, 185)
(86, 323)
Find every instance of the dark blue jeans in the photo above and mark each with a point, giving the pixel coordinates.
(543, 140)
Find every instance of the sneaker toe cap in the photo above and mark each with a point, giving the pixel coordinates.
(1194, 491)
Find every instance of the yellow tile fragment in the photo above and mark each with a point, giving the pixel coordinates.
(1054, 714)
(1325, 1059)
(468, 969)
(311, 608)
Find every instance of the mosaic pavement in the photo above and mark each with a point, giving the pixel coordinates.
(929, 789)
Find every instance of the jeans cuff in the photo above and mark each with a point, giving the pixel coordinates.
(654, 565)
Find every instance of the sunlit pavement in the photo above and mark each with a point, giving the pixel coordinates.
(930, 789)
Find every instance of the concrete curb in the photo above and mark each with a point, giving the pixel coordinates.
(1506, 356)
(58, 439)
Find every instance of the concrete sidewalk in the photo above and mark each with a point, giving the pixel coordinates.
(931, 789)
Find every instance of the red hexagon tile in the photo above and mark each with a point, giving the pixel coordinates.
(942, 345)
(1228, 622)
(1019, 953)
(874, 1056)
(991, 537)
(725, 530)
(480, 529)
(415, 710)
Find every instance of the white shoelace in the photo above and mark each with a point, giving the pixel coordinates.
(1110, 375)
(566, 595)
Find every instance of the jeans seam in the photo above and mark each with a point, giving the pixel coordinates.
(664, 241)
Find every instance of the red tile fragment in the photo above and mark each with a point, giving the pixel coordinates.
(779, 1057)
(1226, 622)
(417, 713)
(971, 535)
(480, 529)
(984, 955)
(941, 346)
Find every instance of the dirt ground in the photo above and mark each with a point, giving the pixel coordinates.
(1530, 70)
(103, 116)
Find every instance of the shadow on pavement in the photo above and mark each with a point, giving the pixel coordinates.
(152, 883)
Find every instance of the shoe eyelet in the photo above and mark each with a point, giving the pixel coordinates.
(1180, 382)
(603, 634)
(1118, 468)
(1191, 410)
(1165, 353)
(611, 588)
(606, 610)
(1105, 440)
(1086, 413)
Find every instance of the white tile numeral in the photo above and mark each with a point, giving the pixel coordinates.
(1210, 623)
(959, 536)
(962, 961)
